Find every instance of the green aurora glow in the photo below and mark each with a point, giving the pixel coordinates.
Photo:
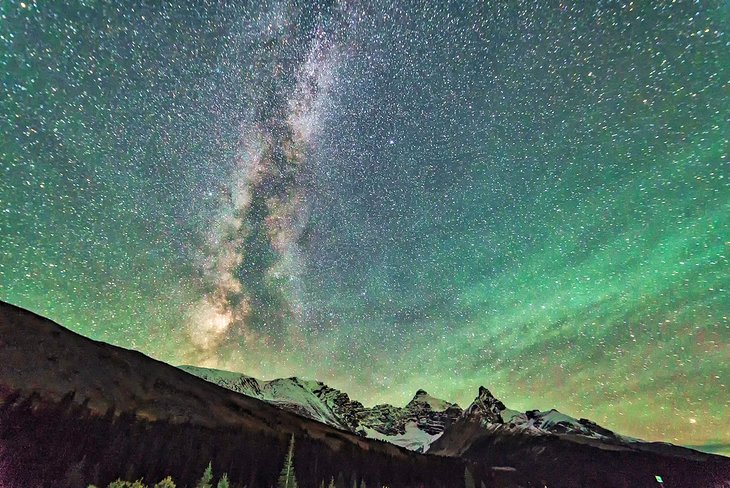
(533, 197)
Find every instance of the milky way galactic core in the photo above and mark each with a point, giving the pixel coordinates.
(385, 196)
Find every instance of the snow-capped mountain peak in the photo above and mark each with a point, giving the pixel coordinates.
(435, 404)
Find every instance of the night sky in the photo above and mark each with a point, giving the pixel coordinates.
(385, 195)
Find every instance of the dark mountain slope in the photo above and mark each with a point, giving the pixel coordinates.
(75, 411)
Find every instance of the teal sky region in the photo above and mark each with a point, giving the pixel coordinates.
(385, 196)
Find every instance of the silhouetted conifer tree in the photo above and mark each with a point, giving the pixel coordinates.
(223, 482)
(75, 474)
(207, 480)
(165, 483)
(468, 479)
(287, 478)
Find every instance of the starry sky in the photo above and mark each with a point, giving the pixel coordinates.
(385, 196)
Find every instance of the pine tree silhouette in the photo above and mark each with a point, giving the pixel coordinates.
(287, 478)
(165, 483)
(468, 479)
(207, 480)
(223, 482)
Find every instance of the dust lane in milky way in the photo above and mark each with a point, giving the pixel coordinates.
(385, 196)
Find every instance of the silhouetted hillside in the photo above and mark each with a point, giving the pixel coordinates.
(75, 411)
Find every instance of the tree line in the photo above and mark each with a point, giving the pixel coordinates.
(65, 445)
(287, 478)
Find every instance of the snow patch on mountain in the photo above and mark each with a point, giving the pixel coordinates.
(413, 438)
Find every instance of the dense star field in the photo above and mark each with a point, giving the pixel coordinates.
(385, 196)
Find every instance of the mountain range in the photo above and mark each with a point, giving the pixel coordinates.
(74, 411)
(416, 426)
